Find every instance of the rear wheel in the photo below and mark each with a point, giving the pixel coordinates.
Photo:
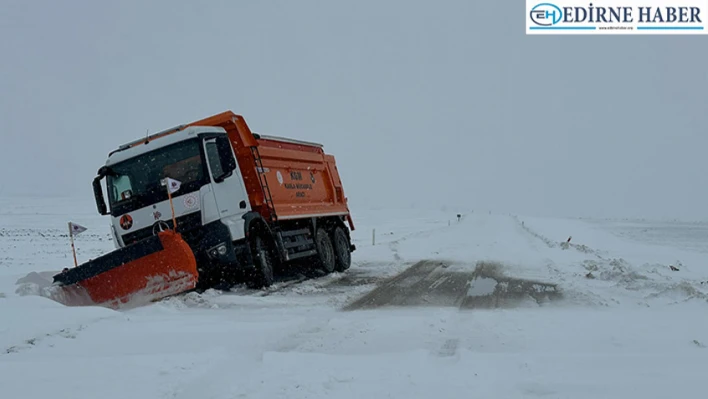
(264, 263)
(341, 250)
(325, 258)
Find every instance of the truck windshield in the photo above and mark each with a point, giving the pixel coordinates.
(135, 182)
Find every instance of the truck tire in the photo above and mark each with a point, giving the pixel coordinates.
(325, 258)
(263, 261)
(341, 249)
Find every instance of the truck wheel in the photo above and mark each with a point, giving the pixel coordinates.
(325, 251)
(341, 250)
(263, 260)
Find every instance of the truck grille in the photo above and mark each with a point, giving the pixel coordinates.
(185, 225)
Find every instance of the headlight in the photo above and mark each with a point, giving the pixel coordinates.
(219, 250)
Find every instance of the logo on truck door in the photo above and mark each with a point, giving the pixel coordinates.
(190, 201)
(126, 222)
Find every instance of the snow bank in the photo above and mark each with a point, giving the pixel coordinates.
(617, 266)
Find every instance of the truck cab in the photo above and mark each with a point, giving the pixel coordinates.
(208, 206)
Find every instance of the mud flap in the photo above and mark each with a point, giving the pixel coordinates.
(149, 270)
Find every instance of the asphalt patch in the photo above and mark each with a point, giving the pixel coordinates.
(431, 283)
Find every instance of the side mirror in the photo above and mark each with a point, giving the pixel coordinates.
(98, 194)
(103, 171)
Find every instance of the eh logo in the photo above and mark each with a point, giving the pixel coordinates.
(546, 14)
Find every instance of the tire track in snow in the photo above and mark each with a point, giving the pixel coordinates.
(214, 381)
(63, 333)
(393, 245)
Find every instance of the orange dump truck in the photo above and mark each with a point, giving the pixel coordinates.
(244, 204)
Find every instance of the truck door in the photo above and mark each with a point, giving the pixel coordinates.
(227, 184)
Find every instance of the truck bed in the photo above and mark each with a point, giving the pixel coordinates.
(298, 177)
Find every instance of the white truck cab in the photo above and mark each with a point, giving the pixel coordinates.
(209, 205)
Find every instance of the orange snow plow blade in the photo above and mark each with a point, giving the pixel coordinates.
(149, 270)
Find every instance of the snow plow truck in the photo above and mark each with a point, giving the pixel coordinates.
(243, 205)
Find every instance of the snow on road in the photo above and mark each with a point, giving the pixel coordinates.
(621, 323)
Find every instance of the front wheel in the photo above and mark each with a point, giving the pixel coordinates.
(263, 260)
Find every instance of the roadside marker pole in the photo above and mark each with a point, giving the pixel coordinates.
(172, 185)
(373, 237)
(172, 206)
(74, 229)
(73, 248)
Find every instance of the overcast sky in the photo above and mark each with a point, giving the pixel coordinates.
(423, 103)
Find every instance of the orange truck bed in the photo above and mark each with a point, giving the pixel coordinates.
(302, 179)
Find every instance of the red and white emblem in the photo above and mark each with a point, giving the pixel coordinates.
(126, 222)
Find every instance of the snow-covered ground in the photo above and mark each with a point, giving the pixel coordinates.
(623, 325)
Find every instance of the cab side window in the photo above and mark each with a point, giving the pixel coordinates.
(212, 151)
(221, 158)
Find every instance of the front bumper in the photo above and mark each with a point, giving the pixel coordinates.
(211, 244)
(215, 252)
